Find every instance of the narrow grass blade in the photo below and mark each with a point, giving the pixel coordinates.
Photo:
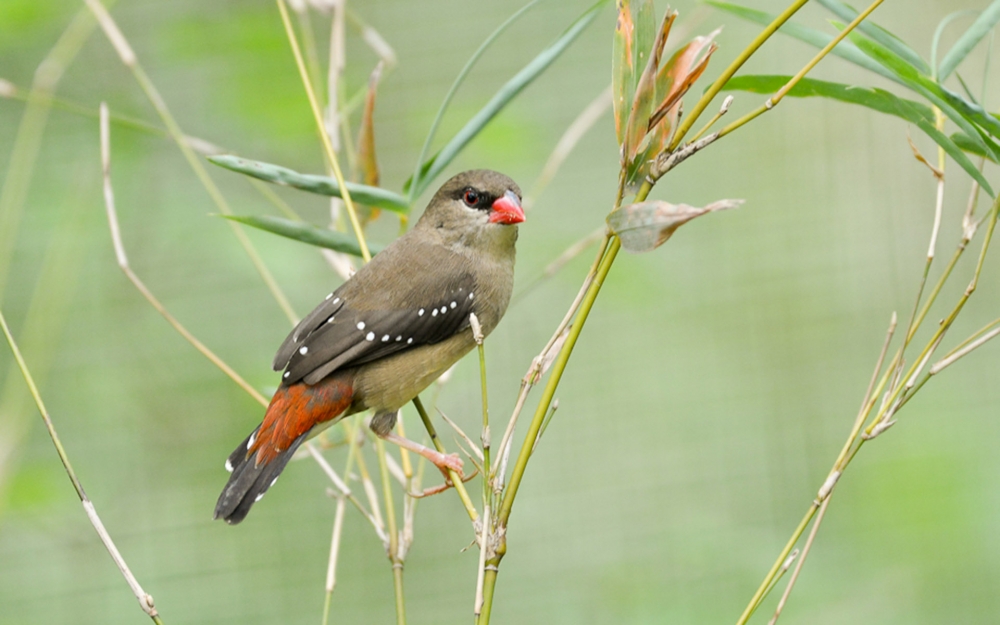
(503, 97)
(929, 89)
(878, 34)
(979, 29)
(422, 167)
(876, 99)
(304, 233)
(323, 185)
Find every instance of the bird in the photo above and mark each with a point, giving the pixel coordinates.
(387, 332)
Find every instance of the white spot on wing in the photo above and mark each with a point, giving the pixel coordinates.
(435, 313)
(444, 309)
(471, 295)
(330, 320)
(409, 340)
(303, 350)
(370, 336)
(329, 296)
(361, 325)
(399, 338)
(273, 482)
(287, 373)
(420, 313)
(258, 497)
(454, 304)
(229, 465)
(253, 439)
(385, 339)
(336, 299)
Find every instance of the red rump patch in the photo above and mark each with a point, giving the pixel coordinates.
(296, 409)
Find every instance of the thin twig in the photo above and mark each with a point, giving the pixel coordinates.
(145, 599)
(129, 59)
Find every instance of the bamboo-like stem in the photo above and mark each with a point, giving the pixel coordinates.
(774, 100)
(766, 584)
(898, 395)
(453, 475)
(800, 563)
(393, 546)
(129, 59)
(324, 136)
(538, 363)
(477, 333)
(331, 568)
(730, 71)
(145, 599)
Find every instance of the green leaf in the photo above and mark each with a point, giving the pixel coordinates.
(645, 226)
(508, 92)
(304, 233)
(845, 50)
(645, 32)
(323, 185)
(876, 99)
(929, 89)
(623, 67)
(422, 169)
(966, 144)
(879, 34)
(983, 25)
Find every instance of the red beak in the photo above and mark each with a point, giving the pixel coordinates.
(507, 210)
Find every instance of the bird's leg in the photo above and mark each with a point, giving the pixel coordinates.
(382, 424)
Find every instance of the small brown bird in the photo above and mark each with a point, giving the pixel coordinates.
(388, 332)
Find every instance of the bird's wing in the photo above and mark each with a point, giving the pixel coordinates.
(427, 299)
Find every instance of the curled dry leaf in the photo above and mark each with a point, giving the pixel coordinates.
(367, 163)
(647, 225)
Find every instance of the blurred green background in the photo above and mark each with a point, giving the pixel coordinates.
(710, 393)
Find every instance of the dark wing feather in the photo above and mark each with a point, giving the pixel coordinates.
(370, 317)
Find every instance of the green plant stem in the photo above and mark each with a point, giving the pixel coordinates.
(730, 71)
(487, 490)
(848, 453)
(391, 528)
(331, 157)
(774, 100)
(456, 479)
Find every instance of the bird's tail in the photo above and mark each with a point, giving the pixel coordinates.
(295, 412)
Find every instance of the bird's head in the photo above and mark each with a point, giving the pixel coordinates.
(477, 208)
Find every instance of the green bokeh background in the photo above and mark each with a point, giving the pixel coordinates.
(712, 389)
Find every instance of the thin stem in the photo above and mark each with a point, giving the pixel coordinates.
(128, 57)
(765, 586)
(321, 127)
(800, 563)
(730, 71)
(455, 478)
(773, 101)
(145, 599)
(393, 546)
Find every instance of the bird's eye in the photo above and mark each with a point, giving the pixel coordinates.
(471, 198)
